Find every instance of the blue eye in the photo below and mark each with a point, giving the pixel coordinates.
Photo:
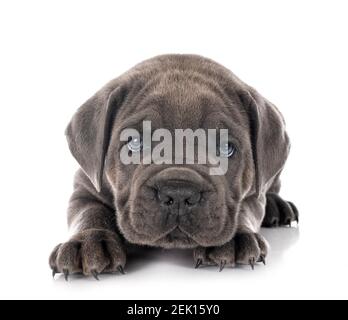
(227, 150)
(135, 144)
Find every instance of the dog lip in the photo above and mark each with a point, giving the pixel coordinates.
(165, 234)
(178, 234)
(189, 235)
(170, 235)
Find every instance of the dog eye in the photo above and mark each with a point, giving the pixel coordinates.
(135, 144)
(227, 150)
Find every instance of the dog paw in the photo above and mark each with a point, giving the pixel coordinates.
(279, 212)
(90, 252)
(244, 248)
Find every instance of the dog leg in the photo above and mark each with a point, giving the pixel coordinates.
(95, 247)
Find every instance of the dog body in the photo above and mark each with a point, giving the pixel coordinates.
(174, 206)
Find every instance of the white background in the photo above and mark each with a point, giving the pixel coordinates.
(56, 54)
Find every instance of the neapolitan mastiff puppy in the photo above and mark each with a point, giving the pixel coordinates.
(174, 206)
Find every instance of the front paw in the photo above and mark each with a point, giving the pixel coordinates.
(90, 252)
(279, 212)
(244, 248)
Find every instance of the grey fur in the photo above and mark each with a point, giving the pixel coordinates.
(114, 204)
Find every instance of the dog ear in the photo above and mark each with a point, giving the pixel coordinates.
(89, 131)
(269, 140)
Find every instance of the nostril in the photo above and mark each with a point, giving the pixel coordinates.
(169, 202)
(188, 203)
(193, 200)
(164, 199)
(177, 195)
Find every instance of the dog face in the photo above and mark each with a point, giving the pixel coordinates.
(180, 205)
(171, 205)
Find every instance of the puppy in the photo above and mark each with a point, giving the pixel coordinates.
(174, 205)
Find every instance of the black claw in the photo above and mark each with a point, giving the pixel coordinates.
(53, 273)
(66, 274)
(95, 274)
(287, 222)
(120, 269)
(252, 263)
(222, 265)
(198, 263)
(263, 260)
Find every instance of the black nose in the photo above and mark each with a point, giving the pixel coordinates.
(178, 194)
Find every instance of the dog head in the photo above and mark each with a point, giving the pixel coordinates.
(178, 205)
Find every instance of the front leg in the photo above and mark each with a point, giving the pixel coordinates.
(95, 247)
(246, 247)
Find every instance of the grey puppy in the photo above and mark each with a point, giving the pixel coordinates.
(174, 206)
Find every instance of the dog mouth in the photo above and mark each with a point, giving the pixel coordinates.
(175, 208)
(177, 237)
(177, 234)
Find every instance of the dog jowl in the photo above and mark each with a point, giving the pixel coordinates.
(175, 153)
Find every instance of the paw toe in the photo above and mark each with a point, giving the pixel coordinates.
(68, 257)
(224, 255)
(247, 248)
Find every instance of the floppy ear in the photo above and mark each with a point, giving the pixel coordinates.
(269, 140)
(88, 132)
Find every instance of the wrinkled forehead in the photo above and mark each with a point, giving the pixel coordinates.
(186, 107)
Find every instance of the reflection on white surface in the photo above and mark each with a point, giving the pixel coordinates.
(280, 240)
(296, 268)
